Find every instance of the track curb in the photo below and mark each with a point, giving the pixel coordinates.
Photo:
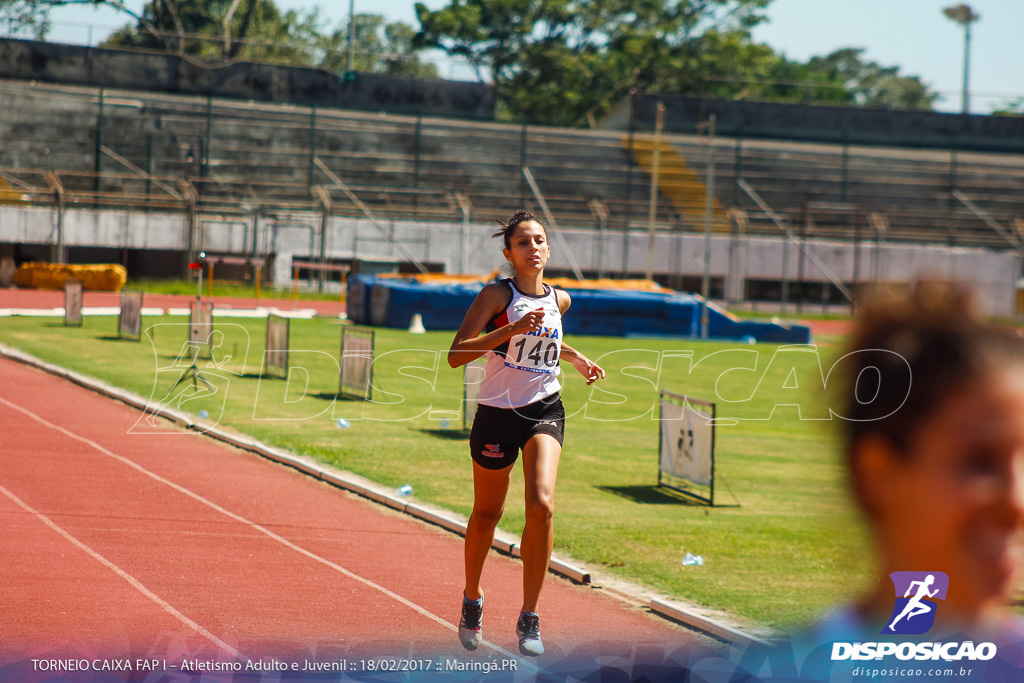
(371, 491)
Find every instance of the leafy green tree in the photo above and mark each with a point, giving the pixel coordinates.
(378, 47)
(24, 18)
(565, 61)
(1010, 108)
(559, 60)
(32, 17)
(729, 65)
(253, 30)
(870, 84)
(213, 29)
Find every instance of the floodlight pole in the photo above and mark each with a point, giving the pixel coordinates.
(709, 214)
(967, 66)
(652, 208)
(351, 33)
(964, 15)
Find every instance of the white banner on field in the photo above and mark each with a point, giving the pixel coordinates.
(687, 441)
(356, 378)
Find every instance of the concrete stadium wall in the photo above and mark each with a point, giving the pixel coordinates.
(139, 70)
(815, 123)
(993, 273)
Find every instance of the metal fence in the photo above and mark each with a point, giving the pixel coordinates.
(73, 147)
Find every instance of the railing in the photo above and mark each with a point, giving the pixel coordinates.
(139, 150)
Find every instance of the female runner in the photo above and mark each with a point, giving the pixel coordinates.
(519, 408)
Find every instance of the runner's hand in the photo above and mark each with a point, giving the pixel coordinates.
(529, 322)
(588, 368)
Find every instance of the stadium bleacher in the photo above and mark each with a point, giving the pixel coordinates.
(131, 148)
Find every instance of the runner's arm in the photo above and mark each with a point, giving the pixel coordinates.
(590, 370)
(468, 345)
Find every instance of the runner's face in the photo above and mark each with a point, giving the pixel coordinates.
(956, 502)
(529, 247)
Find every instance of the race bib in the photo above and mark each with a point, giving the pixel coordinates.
(533, 353)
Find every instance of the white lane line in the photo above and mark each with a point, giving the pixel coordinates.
(124, 575)
(267, 532)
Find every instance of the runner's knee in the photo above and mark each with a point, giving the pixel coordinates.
(486, 517)
(541, 508)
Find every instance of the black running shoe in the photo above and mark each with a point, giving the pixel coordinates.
(528, 630)
(470, 625)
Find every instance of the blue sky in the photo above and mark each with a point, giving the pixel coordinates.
(914, 35)
(911, 34)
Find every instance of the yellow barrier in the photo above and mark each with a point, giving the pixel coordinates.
(436, 278)
(606, 284)
(103, 277)
(680, 183)
(563, 282)
(12, 195)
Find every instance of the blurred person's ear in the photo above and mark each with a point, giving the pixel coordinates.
(874, 464)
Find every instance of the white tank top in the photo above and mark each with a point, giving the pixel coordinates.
(524, 369)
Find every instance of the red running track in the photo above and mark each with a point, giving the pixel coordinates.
(172, 546)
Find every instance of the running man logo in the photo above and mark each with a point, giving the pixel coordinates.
(914, 612)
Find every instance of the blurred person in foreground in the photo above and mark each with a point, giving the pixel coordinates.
(935, 452)
(933, 414)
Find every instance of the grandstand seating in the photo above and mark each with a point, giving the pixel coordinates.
(238, 155)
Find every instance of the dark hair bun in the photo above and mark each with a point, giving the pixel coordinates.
(508, 229)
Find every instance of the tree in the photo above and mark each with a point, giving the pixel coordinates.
(253, 30)
(563, 61)
(33, 16)
(190, 27)
(379, 47)
(729, 65)
(558, 60)
(24, 18)
(1010, 108)
(217, 30)
(873, 85)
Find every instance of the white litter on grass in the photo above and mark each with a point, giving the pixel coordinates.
(693, 560)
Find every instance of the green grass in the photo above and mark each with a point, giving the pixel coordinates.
(791, 548)
(221, 288)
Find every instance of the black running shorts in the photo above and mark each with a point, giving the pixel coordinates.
(500, 433)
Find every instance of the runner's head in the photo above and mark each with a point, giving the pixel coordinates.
(935, 440)
(526, 242)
